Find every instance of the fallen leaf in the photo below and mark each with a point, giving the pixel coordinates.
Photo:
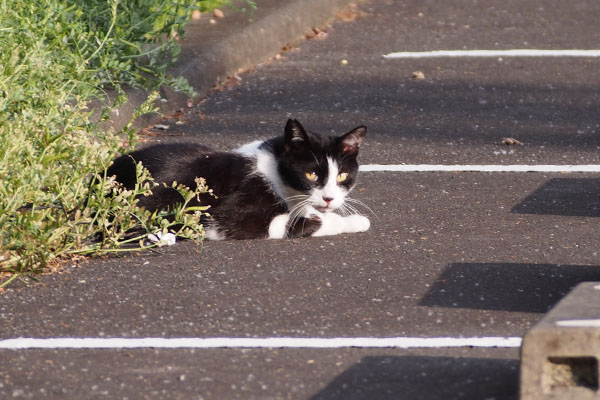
(418, 75)
(316, 33)
(511, 142)
(350, 13)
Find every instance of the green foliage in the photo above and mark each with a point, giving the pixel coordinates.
(111, 220)
(56, 56)
(136, 39)
(208, 5)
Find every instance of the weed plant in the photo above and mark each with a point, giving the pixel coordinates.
(56, 56)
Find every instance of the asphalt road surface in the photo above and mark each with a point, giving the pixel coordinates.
(449, 255)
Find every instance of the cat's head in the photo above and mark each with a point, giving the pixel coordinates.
(321, 169)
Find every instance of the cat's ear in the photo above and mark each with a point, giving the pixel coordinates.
(350, 142)
(295, 135)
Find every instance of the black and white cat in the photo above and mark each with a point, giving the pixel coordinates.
(287, 186)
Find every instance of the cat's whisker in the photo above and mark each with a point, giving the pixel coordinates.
(360, 203)
(345, 156)
(363, 205)
(303, 224)
(294, 216)
(293, 213)
(352, 209)
(301, 203)
(349, 209)
(293, 199)
(344, 211)
(298, 196)
(316, 159)
(296, 211)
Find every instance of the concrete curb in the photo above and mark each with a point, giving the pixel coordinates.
(559, 356)
(211, 52)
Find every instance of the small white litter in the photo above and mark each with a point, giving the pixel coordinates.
(166, 239)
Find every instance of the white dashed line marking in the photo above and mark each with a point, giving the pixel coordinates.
(580, 323)
(493, 53)
(477, 168)
(258, 343)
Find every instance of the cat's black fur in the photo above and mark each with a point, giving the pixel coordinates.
(245, 199)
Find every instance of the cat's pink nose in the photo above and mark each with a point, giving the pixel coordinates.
(327, 199)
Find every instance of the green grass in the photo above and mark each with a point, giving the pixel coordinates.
(56, 56)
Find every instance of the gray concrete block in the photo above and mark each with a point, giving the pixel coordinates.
(560, 355)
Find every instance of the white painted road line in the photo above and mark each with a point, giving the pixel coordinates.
(478, 168)
(580, 323)
(274, 342)
(493, 53)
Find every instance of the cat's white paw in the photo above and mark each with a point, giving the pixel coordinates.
(278, 226)
(334, 224)
(357, 223)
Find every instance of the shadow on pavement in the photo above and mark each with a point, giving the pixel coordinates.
(425, 378)
(506, 286)
(578, 197)
(451, 110)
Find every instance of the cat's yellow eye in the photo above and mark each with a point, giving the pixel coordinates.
(311, 176)
(342, 177)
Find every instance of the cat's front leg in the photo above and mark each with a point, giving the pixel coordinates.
(334, 224)
(304, 226)
(282, 227)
